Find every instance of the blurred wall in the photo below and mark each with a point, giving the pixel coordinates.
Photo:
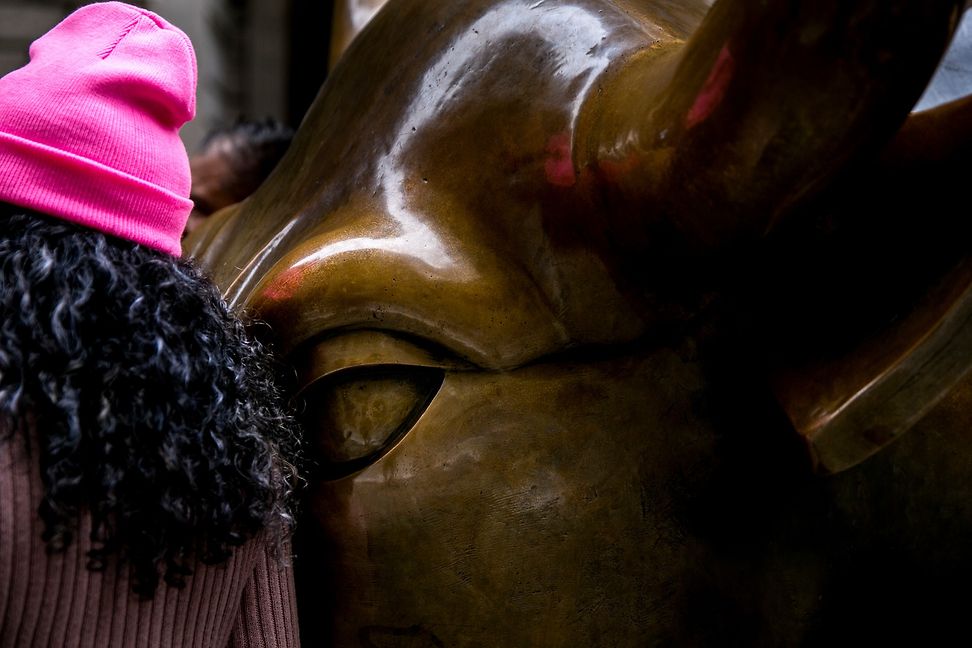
(20, 23)
(242, 48)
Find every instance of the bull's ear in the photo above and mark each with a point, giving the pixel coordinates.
(908, 269)
(762, 107)
(852, 406)
(939, 135)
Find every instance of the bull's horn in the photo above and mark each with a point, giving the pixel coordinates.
(766, 102)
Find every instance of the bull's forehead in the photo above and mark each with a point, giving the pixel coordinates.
(428, 195)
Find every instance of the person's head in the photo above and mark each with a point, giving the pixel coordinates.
(154, 412)
(232, 162)
(89, 128)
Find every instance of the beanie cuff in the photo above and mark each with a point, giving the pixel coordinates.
(59, 183)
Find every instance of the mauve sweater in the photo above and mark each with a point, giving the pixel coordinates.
(53, 601)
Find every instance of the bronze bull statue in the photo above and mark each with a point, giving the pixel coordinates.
(604, 315)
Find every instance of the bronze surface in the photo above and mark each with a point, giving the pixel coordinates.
(541, 267)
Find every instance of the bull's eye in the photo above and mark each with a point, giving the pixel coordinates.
(355, 416)
(361, 392)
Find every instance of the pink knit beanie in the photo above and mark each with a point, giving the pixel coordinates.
(89, 128)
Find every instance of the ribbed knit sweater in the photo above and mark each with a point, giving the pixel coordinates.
(53, 601)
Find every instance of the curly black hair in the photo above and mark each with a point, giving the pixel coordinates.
(153, 408)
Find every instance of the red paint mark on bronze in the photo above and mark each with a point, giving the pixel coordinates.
(713, 90)
(558, 167)
(285, 285)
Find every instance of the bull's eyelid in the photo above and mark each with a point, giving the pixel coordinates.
(368, 348)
